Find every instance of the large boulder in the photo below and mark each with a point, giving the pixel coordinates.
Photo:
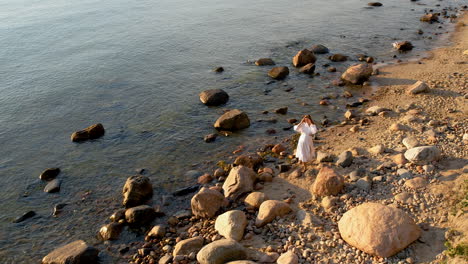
(279, 73)
(328, 182)
(214, 97)
(137, 190)
(378, 229)
(319, 49)
(304, 57)
(221, 251)
(252, 161)
(206, 203)
(187, 246)
(239, 181)
(423, 155)
(77, 252)
(92, 132)
(232, 120)
(231, 224)
(140, 215)
(269, 210)
(357, 74)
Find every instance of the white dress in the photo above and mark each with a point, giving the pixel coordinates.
(305, 151)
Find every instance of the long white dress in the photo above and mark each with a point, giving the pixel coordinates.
(305, 151)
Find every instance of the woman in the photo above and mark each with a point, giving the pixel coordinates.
(305, 151)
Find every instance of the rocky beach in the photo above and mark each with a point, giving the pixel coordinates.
(389, 184)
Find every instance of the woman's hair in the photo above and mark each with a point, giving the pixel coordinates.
(310, 118)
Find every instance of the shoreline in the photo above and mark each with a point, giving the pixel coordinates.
(286, 184)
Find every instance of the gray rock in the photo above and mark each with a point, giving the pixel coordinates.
(166, 259)
(239, 181)
(410, 142)
(363, 184)
(140, 215)
(53, 186)
(110, 231)
(319, 49)
(404, 173)
(345, 159)
(423, 155)
(324, 157)
(417, 88)
(221, 251)
(25, 216)
(77, 252)
(279, 73)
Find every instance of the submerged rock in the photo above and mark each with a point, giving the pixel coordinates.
(403, 45)
(53, 186)
(77, 252)
(49, 174)
(232, 120)
(25, 216)
(92, 132)
(423, 155)
(264, 62)
(279, 73)
(357, 74)
(214, 97)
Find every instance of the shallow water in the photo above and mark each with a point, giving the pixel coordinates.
(138, 67)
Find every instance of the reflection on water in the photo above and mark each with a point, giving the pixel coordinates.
(138, 67)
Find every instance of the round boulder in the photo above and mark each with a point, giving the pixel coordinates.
(232, 120)
(206, 203)
(378, 229)
(269, 210)
(214, 97)
(231, 224)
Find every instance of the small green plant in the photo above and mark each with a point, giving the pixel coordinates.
(223, 165)
(460, 250)
(462, 199)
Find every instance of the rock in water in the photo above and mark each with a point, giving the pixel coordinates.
(378, 229)
(206, 203)
(279, 73)
(53, 186)
(264, 62)
(140, 215)
(214, 97)
(288, 258)
(269, 210)
(308, 68)
(221, 251)
(417, 88)
(345, 159)
(77, 252)
(110, 231)
(239, 181)
(338, 57)
(403, 45)
(137, 190)
(328, 182)
(231, 224)
(429, 18)
(319, 49)
(357, 74)
(374, 4)
(187, 246)
(25, 216)
(423, 155)
(232, 120)
(304, 57)
(92, 132)
(49, 174)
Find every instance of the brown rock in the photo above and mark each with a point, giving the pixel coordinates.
(187, 246)
(206, 203)
(252, 161)
(403, 46)
(221, 251)
(255, 199)
(278, 148)
(338, 57)
(140, 215)
(308, 68)
(231, 224)
(205, 179)
(239, 181)
(77, 252)
(328, 182)
(279, 73)
(429, 18)
(416, 183)
(264, 62)
(357, 74)
(232, 120)
(417, 88)
(304, 57)
(137, 190)
(269, 210)
(378, 229)
(400, 159)
(110, 231)
(92, 132)
(214, 97)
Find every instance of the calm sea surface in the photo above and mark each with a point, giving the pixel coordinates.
(137, 67)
